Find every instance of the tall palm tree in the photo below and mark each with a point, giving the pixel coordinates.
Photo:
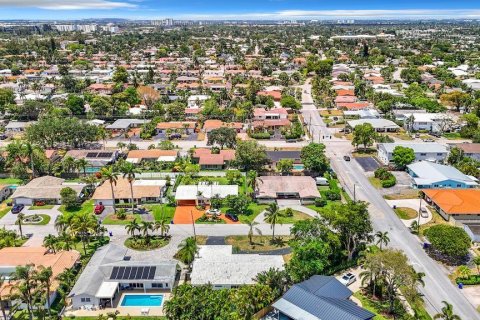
(145, 227)
(447, 313)
(110, 174)
(65, 241)
(81, 164)
(382, 238)
(68, 163)
(2, 306)
(252, 179)
(188, 250)
(82, 226)
(29, 150)
(25, 277)
(131, 227)
(67, 277)
(272, 215)
(251, 225)
(50, 242)
(20, 218)
(44, 276)
(128, 169)
(163, 226)
(62, 222)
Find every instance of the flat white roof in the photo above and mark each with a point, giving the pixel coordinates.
(189, 192)
(217, 265)
(107, 289)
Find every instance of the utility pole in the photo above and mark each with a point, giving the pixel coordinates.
(419, 213)
(193, 225)
(354, 193)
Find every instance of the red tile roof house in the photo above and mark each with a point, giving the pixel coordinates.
(101, 88)
(272, 188)
(176, 125)
(209, 161)
(210, 125)
(276, 95)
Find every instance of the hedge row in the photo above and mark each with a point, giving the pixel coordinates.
(471, 280)
(387, 179)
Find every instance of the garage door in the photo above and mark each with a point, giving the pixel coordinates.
(186, 202)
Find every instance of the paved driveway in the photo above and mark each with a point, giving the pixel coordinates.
(368, 163)
(412, 204)
(11, 218)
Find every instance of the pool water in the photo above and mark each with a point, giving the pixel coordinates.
(298, 167)
(142, 300)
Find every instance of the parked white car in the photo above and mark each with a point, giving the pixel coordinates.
(213, 212)
(348, 278)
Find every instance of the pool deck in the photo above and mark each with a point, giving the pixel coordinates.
(124, 311)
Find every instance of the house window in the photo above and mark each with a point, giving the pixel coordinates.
(157, 285)
(423, 154)
(439, 154)
(85, 299)
(459, 185)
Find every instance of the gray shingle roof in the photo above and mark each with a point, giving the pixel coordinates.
(321, 297)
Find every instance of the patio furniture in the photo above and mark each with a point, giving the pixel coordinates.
(145, 311)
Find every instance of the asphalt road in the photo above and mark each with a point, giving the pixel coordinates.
(438, 287)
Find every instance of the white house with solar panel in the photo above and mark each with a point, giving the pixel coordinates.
(112, 274)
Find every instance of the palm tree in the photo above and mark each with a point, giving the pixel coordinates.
(145, 227)
(65, 241)
(251, 225)
(131, 227)
(382, 238)
(67, 277)
(129, 171)
(2, 306)
(272, 215)
(163, 226)
(188, 250)
(25, 277)
(20, 218)
(82, 226)
(82, 164)
(62, 222)
(28, 150)
(252, 179)
(476, 261)
(50, 242)
(447, 313)
(44, 276)
(110, 174)
(68, 163)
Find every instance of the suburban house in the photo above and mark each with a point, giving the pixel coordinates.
(219, 267)
(210, 125)
(112, 270)
(97, 159)
(361, 114)
(272, 188)
(432, 122)
(45, 189)
(12, 257)
(186, 126)
(212, 161)
(143, 191)
(320, 298)
(276, 156)
(455, 204)
(429, 175)
(200, 194)
(433, 152)
(196, 101)
(380, 125)
(471, 150)
(274, 118)
(123, 125)
(138, 156)
(15, 127)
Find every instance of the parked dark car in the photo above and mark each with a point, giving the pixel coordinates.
(3, 136)
(232, 217)
(99, 208)
(175, 136)
(346, 158)
(17, 208)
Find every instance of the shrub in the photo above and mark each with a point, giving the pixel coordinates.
(448, 240)
(121, 214)
(260, 135)
(471, 280)
(386, 177)
(333, 195)
(320, 202)
(289, 212)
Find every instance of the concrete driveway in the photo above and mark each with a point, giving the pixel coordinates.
(412, 204)
(11, 218)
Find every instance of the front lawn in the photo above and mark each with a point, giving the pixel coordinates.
(369, 305)
(260, 243)
(377, 183)
(45, 207)
(112, 219)
(406, 213)
(87, 206)
(453, 136)
(436, 219)
(10, 181)
(4, 211)
(160, 211)
(254, 209)
(297, 216)
(141, 243)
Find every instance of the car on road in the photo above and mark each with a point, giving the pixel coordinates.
(428, 140)
(423, 212)
(346, 158)
(17, 208)
(232, 217)
(213, 212)
(3, 136)
(99, 208)
(348, 278)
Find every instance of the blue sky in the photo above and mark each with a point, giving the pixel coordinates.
(237, 9)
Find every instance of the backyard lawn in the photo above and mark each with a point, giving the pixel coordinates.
(160, 211)
(260, 243)
(10, 181)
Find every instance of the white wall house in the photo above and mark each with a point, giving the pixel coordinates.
(433, 152)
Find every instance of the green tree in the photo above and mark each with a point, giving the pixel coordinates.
(288, 101)
(455, 156)
(447, 313)
(313, 157)
(251, 228)
(272, 215)
(238, 204)
(19, 222)
(309, 257)
(363, 134)
(69, 197)
(75, 104)
(455, 99)
(132, 227)
(101, 106)
(44, 276)
(285, 166)
(188, 249)
(223, 137)
(382, 238)
(250, 155)
(403, 156)
(129, 172)
(110, 174)
(120, 75)
(82, 226)
(276, 279)
(449, 240)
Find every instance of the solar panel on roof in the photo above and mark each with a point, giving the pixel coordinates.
(151, 273)
(128, 271)
(114, 273)
(92, 154)
(139, 273)
(104, 155)
(121, 271)
(133, 273)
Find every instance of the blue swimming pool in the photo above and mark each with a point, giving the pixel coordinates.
(298, 167)
(142, 300)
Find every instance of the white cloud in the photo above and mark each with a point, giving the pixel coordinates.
(330, 14)
(66, 4)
